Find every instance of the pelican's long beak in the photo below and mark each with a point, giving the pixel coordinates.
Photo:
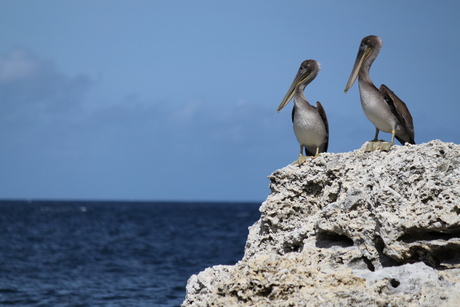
(363, 53)
(299, 78)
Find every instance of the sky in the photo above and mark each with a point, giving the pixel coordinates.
(176, 100)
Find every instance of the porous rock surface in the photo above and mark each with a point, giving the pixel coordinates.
(350, 229)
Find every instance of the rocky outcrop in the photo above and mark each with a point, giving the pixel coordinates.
(350, 229)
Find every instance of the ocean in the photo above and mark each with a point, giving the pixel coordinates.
(68, 253)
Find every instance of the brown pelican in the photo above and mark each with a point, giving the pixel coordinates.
(310, 123)
(382, 107)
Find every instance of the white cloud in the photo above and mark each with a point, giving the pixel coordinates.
(33, 90)
(17, 64)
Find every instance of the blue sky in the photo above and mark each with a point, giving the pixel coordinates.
(176, 100)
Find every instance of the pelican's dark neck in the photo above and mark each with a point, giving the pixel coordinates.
(366, 66)
(363, 75)
(299, 95)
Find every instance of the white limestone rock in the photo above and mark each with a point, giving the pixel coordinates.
(350, 229)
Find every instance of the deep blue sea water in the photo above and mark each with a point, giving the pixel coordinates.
(55, 253)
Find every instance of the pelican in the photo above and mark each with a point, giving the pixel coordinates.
(310, 123)
(382, 107)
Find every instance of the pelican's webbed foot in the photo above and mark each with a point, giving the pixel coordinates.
(378, 145)
(386, 146)
(374, 145)
(300, 160)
